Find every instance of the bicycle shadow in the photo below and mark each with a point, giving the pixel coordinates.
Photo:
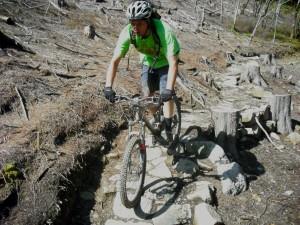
(165, 190)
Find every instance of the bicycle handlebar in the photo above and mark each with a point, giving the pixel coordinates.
(138, 100)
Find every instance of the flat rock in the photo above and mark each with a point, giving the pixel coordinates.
(153, 153)
(125, 213)
(175, 214)
(232, 179)
(160, 171)
(205, 214)
(203, 190)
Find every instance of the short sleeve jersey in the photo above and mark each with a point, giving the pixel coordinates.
(148, 47)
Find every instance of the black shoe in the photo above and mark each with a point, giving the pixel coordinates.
(172, 148)
(169, 136)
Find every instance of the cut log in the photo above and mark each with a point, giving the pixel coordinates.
(281, 112)
(225, 120)
(252, 74)
(276, 71)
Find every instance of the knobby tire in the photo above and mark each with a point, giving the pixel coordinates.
(132, 145)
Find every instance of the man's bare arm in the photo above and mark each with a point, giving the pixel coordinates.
(172, 73)
(112, 70)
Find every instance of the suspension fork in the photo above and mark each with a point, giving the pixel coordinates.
(142, 136)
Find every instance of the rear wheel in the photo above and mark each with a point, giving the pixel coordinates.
(176, 122)
(133, 172)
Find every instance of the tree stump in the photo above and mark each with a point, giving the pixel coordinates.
(230, 57)
(226, 120)
(89, 31)
(281, 112)
(276, 72)
(251, 74)
(267, 59)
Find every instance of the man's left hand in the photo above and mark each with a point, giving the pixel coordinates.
(167, 95)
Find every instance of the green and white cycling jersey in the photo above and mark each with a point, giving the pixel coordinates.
(147, 47)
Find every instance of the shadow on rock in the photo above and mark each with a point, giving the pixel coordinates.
(165, 190)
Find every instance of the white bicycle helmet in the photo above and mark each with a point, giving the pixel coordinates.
(139, 10)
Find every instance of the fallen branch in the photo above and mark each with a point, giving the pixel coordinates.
(115, 9)
(212, 11)
(188, 90)
(266, 133)
(59, 45)
(22, 103)
(58, 9)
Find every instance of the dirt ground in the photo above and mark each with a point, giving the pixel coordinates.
(59, 151)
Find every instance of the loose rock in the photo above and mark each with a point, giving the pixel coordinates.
(232, 180)
(205, 214)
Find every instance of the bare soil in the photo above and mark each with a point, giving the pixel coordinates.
(60, 149)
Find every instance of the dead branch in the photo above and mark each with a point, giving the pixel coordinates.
(62, 11)
(114, 9)
(22, 103)
(221, 14)
(192, 93)
(279, 4)
(77, 52)
(236, 14)
(266, 133)
(35, 6)
(262, 15)
(210, 12)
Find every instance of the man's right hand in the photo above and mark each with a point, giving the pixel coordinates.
(109, 94)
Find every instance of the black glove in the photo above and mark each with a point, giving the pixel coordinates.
(109, 94)
(167, 95)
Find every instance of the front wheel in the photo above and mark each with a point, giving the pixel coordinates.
(133, 172)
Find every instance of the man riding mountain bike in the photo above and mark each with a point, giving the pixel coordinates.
(159, 50)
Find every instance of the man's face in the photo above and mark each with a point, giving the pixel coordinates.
(139, 27)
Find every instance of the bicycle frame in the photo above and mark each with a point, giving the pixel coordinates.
(139, 106)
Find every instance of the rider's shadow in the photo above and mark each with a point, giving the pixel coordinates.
(165, 191)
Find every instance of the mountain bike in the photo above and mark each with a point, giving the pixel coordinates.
(133, 169)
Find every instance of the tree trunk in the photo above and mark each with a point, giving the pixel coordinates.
(236, 13)
(281, 112)
(276, 19)
(295, 28)
(262, 14)
(252, 74)
(225, 120)
(221, 15)
(244, 6)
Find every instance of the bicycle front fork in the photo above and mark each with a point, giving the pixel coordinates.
(140, 133)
